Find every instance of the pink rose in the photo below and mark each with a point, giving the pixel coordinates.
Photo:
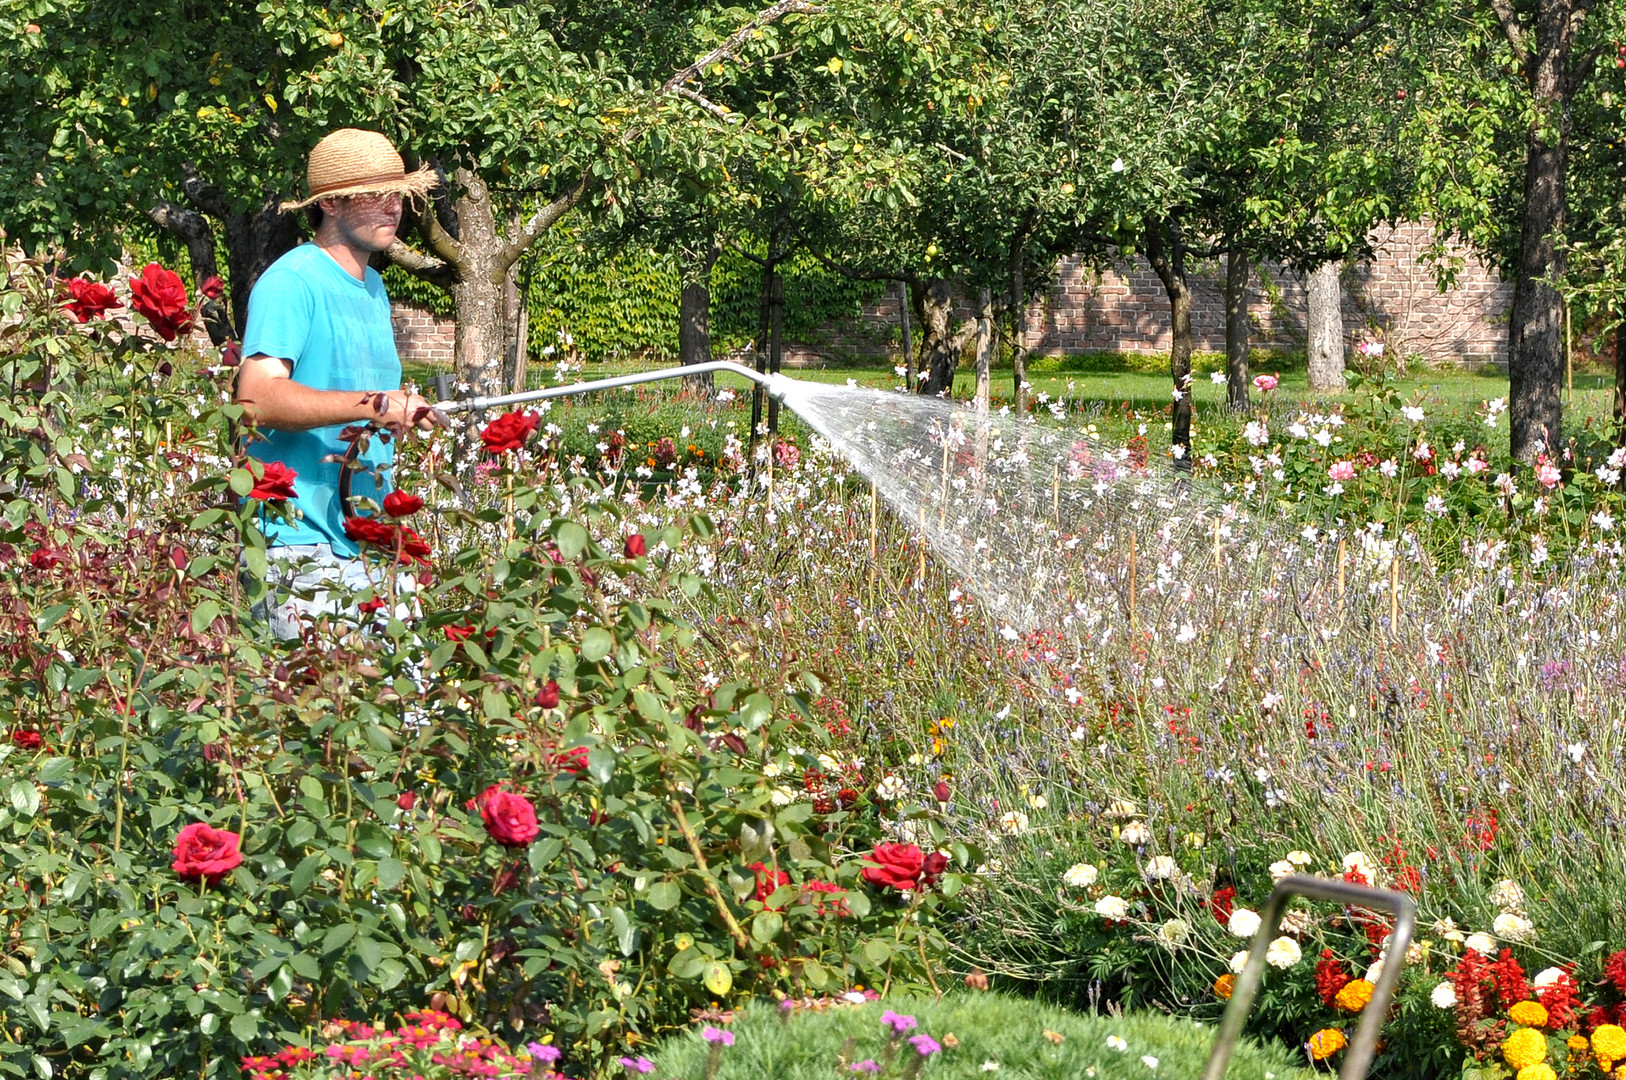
(1265, 383)
(510, 819)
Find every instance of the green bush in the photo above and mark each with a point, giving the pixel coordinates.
(1024, 1039)
(679, 858)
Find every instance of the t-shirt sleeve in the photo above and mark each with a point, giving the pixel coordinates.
(280, 309)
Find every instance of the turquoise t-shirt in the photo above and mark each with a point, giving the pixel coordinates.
(336, 331)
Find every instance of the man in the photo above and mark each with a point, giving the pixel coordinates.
(319, 356)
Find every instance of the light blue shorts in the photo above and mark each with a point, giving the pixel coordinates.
(309, 582)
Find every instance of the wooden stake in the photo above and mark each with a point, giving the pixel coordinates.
(920, 573)
(510, 515)
(1394, 596)
(942, 494)
(1055, 495)
(1133, 600)
(1340, 569)
(1217, 548)
(874, 541)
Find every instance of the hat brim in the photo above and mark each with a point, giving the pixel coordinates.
(414, 184)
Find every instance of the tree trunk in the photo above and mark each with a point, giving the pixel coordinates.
(1019, 329)
(985, 346)
(905, 303)
(193, 229)
(516, 329)
(776, 342)
(1324, 319)
(1166, 251)
(1535, 340)
(940, 352)
(255, 240)
(1237, 328)
(1620, 385)
(694, 315)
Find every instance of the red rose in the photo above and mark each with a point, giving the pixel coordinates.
(932, 867)
(91, 299)
(636, 546)
(414, 548)
(213, 287)
(161, 297)
(510, 819)
(898, 866)
(44, 558)
(407, 800)
(205, 854)
(232, 354)
(572, 761)
(26, 740)
(767, 882)
(548, 696)
(400, 504)
(940, 791)
(276, 485)
(508, 432)
(370, 531)
(459, 632)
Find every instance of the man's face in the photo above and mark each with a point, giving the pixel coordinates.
(365, 221)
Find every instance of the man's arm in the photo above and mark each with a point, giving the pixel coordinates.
(272, 399)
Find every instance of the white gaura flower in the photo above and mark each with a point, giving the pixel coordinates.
(1116, 1043)
(1284, 952)
(1135, 833)
(1243, 923)
(1483, 944)
(1513, 927)
(1412, 413)
(890, 787)
(1282, 868)
(1112, 907)
(1239, 961)
(1014, 822)
(1079, 876)
(1161, 868)
(1149, 1061)
(1444, 996)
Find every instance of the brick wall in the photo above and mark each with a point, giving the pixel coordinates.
(1123, 308)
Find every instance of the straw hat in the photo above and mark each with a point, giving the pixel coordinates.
(354, 162)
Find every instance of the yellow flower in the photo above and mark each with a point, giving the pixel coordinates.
(1527, 1046)
(1576, 1042)
(1225, 986)
(1529, 1014)
(1326, 1042)
(1539, 1071)
(1354, 996)
(1609, 1041)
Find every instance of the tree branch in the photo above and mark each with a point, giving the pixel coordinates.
(541, 222)
(705, 103)
(730, 48)
(421, 266)
(862, 275)
(191, 227)
(1517, 36)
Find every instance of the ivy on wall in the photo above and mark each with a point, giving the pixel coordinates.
(624, 303)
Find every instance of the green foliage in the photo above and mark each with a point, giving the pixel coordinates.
(140, 698)
(623, 302)
(1024, 1039)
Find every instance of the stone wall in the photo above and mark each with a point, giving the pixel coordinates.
(1392, 298)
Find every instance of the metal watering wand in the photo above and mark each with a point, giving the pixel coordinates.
(777, 386)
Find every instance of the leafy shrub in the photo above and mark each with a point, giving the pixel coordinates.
(1022, 1038)
(514, 808)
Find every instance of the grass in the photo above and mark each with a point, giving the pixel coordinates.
(1023, 1039)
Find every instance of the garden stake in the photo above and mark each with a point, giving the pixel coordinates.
(1362, 1046)
(1394, 596)
(1132, 618)
(1055, 495)
(874, 547)
(1340, 570)
(920, 574)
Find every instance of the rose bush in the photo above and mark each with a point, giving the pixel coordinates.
(371, 877)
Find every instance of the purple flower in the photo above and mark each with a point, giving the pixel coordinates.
(639, 1065)
(717, 1035)
(924, 1044)
(543, 1052)
(868, 1065)
(899, 1024)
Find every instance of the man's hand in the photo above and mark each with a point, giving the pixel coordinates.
(404, 409)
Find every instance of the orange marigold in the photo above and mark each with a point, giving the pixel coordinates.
(1608, 1042)
(1527, 1046)
(1529, 1014)
(1325, 1043)
(1225, 986)
(1576, 1042)
(1354, 996)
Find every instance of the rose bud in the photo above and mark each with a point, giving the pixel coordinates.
(407, 800)
(940, 791)
(636, 546)
(548, 696)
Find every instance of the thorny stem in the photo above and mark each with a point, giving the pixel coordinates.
(740, 937)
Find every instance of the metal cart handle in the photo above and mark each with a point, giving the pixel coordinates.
(1362, 1047)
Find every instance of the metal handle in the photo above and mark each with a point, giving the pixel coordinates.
(1362, 1047)
(777, 386)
